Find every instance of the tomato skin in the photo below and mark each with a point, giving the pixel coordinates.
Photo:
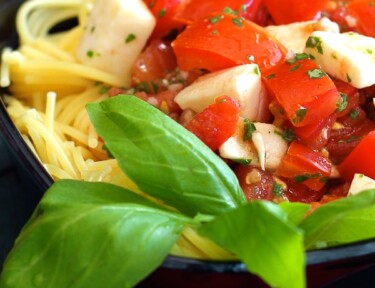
(225, 41)
(295, 10)
(363, 11)
(298, 192)
(154, 63)
(360, 160)
(305, 99)
(301, 161)
(195, 10)
(164, 11)
(216, 123)
(255, 183)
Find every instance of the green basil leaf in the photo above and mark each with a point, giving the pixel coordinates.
(92, 242)
(341, 221)
(261, 235)
(163, 158)
(296, 211)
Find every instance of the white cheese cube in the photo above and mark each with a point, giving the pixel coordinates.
(116, 32)
(349, 56)
(243, 83)
(360, 183)
(268, 157)
(293, 36)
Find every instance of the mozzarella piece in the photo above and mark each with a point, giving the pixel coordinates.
(349, 56)
(116, 32)
(243, 83)
(293, 36)
(265, 150)
(361, 183)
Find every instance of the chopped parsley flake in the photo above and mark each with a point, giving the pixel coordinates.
(354, 114)
(251, 58)
(228, 10)
(256, 70)
(288, 135)
(271, 76)
(249, 128)
(90, 53)
(348, 78)
(215, 19)
(304, 177)
(301, 56)
(315, 42)
(243, 8)
(316, 73)
(369, 51)
(104, 89)
(295, 67)
(277, 189)
(237, 21)
(300, 115)
(215, 32)
(162, 12)
(243, 161)
(131, 37)
(342, 103)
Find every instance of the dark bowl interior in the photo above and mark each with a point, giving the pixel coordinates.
(23, 181)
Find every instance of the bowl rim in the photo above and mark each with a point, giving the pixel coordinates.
(24, 155)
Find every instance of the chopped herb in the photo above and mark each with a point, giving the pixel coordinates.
(334, 56)
(215, 32)
(295, 67)
(315, 42)
(144, 86)
(90, 53)
(155, 87)
(302, 56)
(271, 76)
(104, 89)
(300, 115)
(243, 161)
(369, 51)
(215, 19)
(348, 78)
(352, 139)
(228, 10)
(312, 57)
(316, 73)
(249, 128)
(92, 29)
(342, 103)
(131, 37)
(237, 21)
(243, 8)
(304, 177)
(288, 134)
(277, 189)
(354, 114)
(162, 12)
(256, 70)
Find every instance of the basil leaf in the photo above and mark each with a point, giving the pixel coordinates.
(296, 211)
(91, 242)
(260, 234)
(163, 158)
(341, 221)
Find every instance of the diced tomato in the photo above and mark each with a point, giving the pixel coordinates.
(216, 123)
(164, 12)
(295, 10)
(305, 92)
(362, 13)
(360, 160)
(197, 9)
(305, 165)
(316, 135)
(154, 63)
(224, 41)
(255, 183)
(298, 192)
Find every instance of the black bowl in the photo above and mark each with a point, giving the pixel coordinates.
(23, 180)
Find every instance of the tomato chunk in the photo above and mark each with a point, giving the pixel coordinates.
(197, 9)
(360, 160)
(305, 165)
(224, 41)
(164, 12)
(215, 124)
(306, 93)
(295, 10)
(363, 12)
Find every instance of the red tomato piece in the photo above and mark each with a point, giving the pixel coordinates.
(295, 10)
(224, 41)
(298, 192)
(305, 165)
(164, 12)
(196, 10)
(215, 124)
(363, 14)
(360, 160)
(306, 93)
